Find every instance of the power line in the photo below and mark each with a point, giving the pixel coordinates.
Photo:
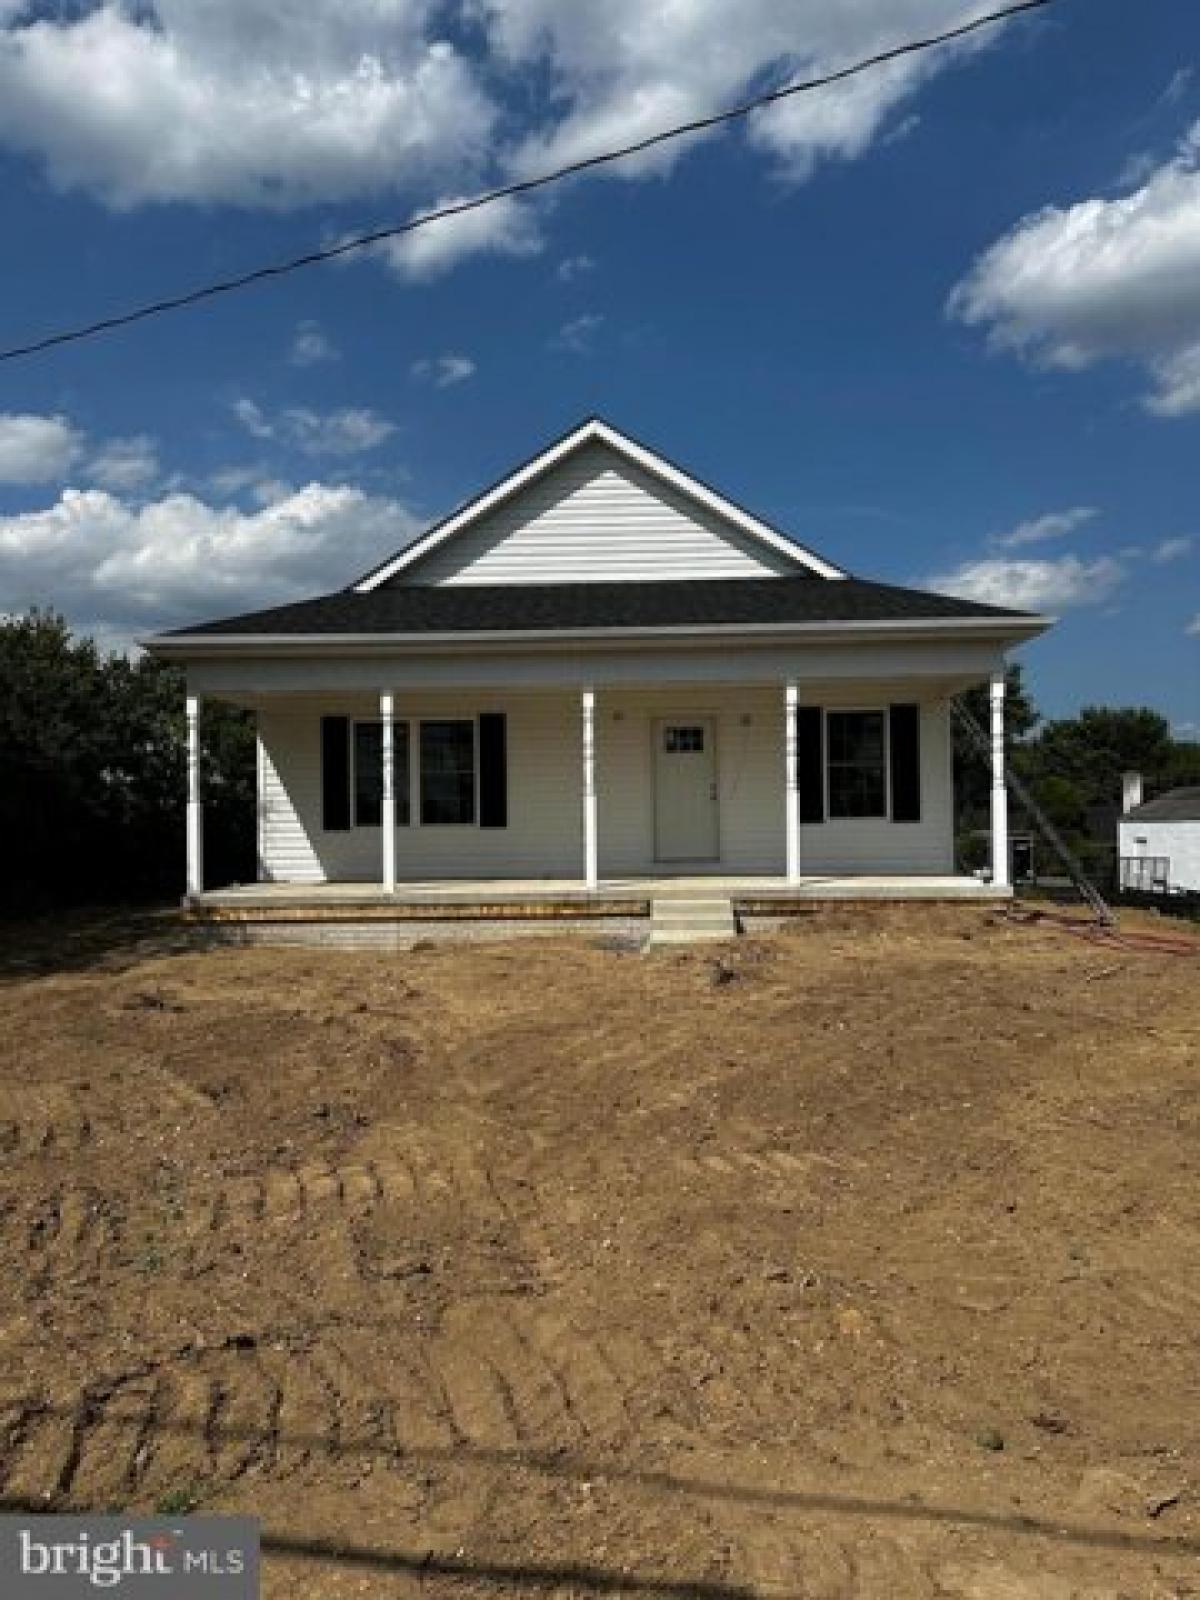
(312, 258)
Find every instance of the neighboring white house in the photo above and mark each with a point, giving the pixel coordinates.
(602, 668)
(1159, 839)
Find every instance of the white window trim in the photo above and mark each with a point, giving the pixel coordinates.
(838, 711)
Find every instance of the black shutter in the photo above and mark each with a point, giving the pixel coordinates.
(493, 770)
(335, 774)
(810, 762)
(905, 739)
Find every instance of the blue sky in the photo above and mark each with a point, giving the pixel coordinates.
(943, 325)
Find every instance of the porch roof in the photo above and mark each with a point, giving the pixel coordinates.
(425, 611)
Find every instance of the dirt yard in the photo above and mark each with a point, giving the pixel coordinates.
(861, 1261)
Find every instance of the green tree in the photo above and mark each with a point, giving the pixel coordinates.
(93, 757)
(1093, 749)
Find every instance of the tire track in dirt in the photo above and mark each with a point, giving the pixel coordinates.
(72, 1229)
(45, 1118)
(314, 1192)
(208, 1420)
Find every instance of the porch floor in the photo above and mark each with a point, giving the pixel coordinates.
(571, 894)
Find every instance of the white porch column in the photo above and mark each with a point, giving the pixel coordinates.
(195, 807)
(590, 851)
(791, 702)
(387, 809)
(1000, 872)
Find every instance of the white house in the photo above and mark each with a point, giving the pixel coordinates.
(602, 669)
(1159, 839)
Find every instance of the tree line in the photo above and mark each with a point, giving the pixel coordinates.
(93, 773)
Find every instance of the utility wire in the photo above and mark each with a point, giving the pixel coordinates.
(398, 230)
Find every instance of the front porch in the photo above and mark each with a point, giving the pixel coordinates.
(594, 801)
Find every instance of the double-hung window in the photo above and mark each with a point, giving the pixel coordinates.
(857, 763)
(368, 773)
(448, 771)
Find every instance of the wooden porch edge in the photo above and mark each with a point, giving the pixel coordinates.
(421, 911)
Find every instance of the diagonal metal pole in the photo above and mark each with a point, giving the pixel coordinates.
(1087, 889)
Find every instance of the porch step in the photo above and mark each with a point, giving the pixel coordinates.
(691, 919)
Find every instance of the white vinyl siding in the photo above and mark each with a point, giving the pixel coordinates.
(596, 518)
(1178, 841)
(544, 836)
(544, 806)
(750, 788)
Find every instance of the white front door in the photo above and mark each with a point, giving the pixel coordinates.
(686, 826)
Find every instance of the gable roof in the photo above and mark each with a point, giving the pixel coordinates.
(424, 612)
(594, 431)
(1177, 805)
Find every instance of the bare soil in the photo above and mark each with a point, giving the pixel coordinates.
(863, 1260)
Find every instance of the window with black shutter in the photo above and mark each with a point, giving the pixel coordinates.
(447, 772)
(368, 773)
(857, 762)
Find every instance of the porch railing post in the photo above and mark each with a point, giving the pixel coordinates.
(591, 875)
(195, 806)
(1001, 876)
(791, 702)
(387, 809)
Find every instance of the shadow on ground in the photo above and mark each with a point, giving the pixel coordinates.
(112, 939)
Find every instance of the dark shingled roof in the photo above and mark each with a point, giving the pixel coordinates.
(414, 609)
(1177, 805)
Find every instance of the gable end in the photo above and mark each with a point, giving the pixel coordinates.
(597, 507)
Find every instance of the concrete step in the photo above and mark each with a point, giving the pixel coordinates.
(680, 920)
(691, 919)
(662, 936)
(675, 910)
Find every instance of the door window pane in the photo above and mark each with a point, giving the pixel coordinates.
(684, 741)
(447, 772)
(857, 764)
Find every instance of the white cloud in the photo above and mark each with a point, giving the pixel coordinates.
(344, 432)
(252, 418)
(844, 124)
(1105, 278)
(1178, 87)
(1193, 627)
(283, 103)
(572, 267)
(1053, 525)
(622, 70)
(37, 449)
(578, 335)
(1171, 550)
(269, 103)
(1055, 585)
(311, 345)
(117, 568)
(444, 371)
(254, 480)
(504, 228)
(124, 464)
